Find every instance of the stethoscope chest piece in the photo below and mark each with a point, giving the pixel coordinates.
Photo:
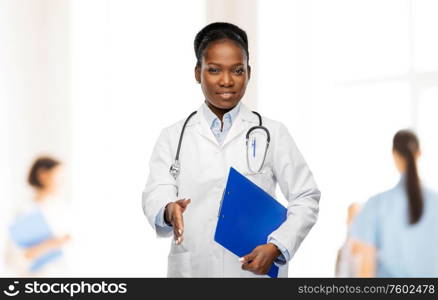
(174, 169)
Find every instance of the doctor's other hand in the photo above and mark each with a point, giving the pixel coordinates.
(259, 261)
(173, 215)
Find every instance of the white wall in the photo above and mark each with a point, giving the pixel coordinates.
(341, 75)
(34, 92)
(133, 74)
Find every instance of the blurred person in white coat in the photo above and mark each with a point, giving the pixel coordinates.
(44, 177)
(184, 202)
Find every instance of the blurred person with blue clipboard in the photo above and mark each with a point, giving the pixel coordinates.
(38, 233)
(192, 158)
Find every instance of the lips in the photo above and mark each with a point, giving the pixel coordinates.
(226, 95)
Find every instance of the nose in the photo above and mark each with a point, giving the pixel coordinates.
(226, 80)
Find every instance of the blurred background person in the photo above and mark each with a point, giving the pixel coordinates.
(39, 233)
(347, 262)
(396, 230)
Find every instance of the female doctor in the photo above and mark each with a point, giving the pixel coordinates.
(191, 159)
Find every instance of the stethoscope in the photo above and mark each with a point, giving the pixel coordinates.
(175, 167)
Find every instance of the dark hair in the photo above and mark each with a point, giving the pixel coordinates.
(406, 144)
(41, 163)
(217, 31)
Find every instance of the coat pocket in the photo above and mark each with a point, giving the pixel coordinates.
(178, 265)
(264, 180)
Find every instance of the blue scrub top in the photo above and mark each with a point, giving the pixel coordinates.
(403, 250)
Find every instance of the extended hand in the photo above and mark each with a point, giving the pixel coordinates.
(173, 214)
(259, 261)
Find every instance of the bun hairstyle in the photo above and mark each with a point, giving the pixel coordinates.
(42, 163)
(218, 31)
(406, 144)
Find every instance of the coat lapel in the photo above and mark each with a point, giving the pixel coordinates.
(242, 122)
(204, 128)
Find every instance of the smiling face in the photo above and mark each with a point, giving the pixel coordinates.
(223, 74)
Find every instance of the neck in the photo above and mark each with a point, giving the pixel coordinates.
(219, 112)
(41, 195)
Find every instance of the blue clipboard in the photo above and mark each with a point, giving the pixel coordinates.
(247, 216)
(29, 230)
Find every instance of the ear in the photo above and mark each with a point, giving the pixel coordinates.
(198, 73)
(249, 72)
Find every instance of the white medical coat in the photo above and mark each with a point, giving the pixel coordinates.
(204, 169)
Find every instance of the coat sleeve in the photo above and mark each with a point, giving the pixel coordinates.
(298, 186)
(160, 187)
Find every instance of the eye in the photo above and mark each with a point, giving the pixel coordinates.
(213, 70)
(239, 71)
